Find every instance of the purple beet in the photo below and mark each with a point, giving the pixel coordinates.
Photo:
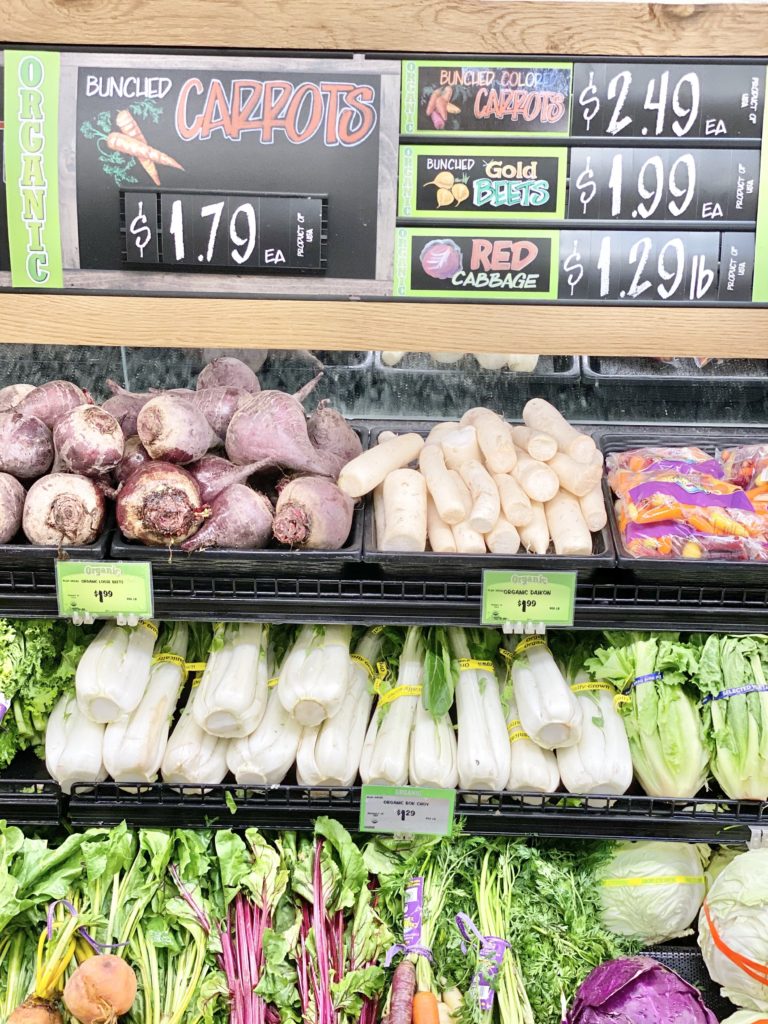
(313, 513)
(173, 429)
(11, 395)
(214, 474)
(330, 432)
(12, 497)
(219, 405)
(53, 400)
(26, 445)
(125, 407)
(226, 371)
(160, 504)
(134, 456)
(240, 518)
(88, 440)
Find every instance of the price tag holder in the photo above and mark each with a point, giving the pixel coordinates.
(410, 810)
(541, 599)
(758, 837)
(104, 590)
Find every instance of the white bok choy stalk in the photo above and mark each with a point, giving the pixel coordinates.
(386, 751)
(192, 756)
(314, 678)
(232, 697)
(483, 747)
(73, 745)
(549, 711)
(113, 673)
(433, 757)
(601, 761)
(532, 769)
(134, 745)
(330, 753)
(265, 757)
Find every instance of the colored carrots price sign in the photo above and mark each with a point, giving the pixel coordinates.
(413, 810)
(543, 598)
(104, 590)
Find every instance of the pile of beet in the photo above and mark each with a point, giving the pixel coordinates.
(224, 466)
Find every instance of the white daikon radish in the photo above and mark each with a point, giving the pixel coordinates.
(515, 503)
(460, 446)
(232, 697)
(539, 446)
(447, 497)
(314, 676)
(379, 521)
(369, 469)
(73, 745)
(386, 435)
(570, 534)
(483, 743)
(503, 539)
(534, 536)
(540, 415)
(491, 360)
(438, 432)
(447, 357)
(549, 711)
(521, 363)
(461, 489)
(468, 541)
(532, 769)
(538, 479)
(405, 512)
(432, 759)
(134, 745)
(265, 757)
(113, 672)
(494, 437)
(576, 477)
(593, 509)
(392, 358)
(386, 751)
(439, 534)
(486, 504)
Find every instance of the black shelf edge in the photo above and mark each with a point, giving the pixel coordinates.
(30, 802)
(612, 600)
(567, 816)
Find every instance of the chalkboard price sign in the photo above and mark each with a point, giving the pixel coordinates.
(248, 231)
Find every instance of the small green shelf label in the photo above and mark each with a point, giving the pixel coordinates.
(545, 598)
(104, 590)
(407, 809)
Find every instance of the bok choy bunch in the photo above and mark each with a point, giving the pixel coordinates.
(433, 754)
(549, 711)
(314, 678)
(732, 679)
(74, 745)
(232, 696)
(483, 742)
(663, 725)
(113, 673)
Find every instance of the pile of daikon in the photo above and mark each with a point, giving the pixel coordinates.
(487, 360)
(484, 485)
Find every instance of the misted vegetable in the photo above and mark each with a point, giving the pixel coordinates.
(173, 429)
(12, 495)
(313, 513)
(240, 518)
(62, 509)
(88, 440)
(100, 990)
(160, 504)
(26, 445)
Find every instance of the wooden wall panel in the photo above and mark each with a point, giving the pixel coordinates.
(270, 323)
(459, 26)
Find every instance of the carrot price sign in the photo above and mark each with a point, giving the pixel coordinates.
(485, 98)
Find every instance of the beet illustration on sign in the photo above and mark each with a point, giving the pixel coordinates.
(441, 258)
(449, 189)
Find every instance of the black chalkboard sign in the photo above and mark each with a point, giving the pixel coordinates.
(236, 133)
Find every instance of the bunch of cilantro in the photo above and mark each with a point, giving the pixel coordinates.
(38, 661)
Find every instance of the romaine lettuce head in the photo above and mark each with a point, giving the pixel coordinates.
(738, 911)
(635, 990)
(653, 891)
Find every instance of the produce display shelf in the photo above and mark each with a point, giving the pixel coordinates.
(711, 820)
(30, 802)
(613, 600)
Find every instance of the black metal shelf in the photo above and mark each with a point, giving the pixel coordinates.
(612, 600)
(711, 820)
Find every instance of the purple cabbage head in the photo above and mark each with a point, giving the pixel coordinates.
(637, 990)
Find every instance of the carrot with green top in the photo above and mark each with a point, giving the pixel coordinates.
(129, 126)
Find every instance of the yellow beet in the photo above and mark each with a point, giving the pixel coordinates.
(101, 990)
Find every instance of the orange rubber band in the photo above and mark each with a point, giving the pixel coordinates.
(755, 970)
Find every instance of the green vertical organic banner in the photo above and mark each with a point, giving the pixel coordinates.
(760, 280)
(32, 168)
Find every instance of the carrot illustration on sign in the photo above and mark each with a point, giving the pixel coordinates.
(439, 106)
(119, 151)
